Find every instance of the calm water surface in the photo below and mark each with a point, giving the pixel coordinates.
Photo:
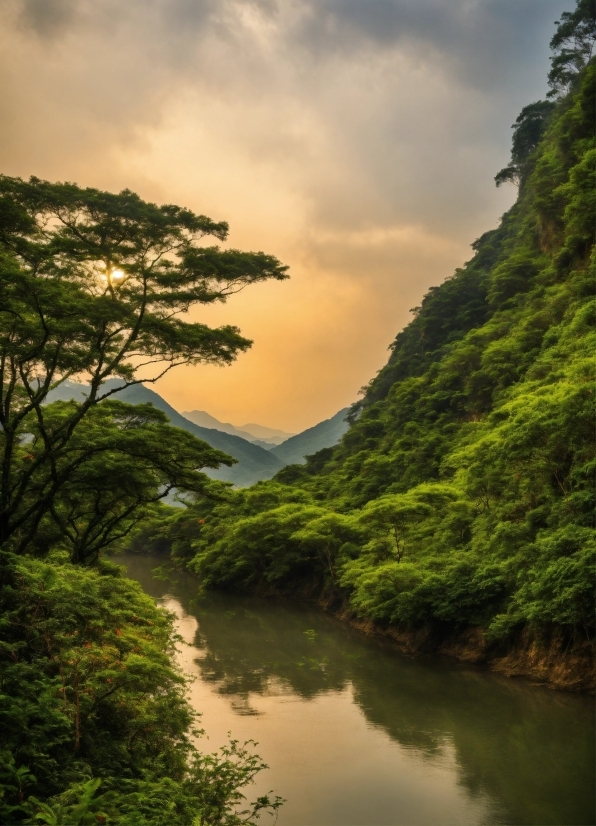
(357, 734)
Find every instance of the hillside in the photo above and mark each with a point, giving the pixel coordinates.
(457, 511)
(321, 436)
(254, 463)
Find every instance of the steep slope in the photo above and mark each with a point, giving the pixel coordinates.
(254, 463)
(322, 435)
(458, 510)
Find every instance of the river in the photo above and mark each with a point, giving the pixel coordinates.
(357, 734)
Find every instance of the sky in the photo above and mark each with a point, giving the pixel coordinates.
(356, 140)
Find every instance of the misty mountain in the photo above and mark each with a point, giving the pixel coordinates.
(254, 462)
(324, 434)
(265, 437)
(267, 434)
(264, 445)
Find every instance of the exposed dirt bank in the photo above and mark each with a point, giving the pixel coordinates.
(551, 660)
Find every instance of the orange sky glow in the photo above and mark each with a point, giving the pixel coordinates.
(355, 141)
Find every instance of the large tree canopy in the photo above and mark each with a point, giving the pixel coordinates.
(572, 45)
(528, 129)
(93, 284)
(120, 462)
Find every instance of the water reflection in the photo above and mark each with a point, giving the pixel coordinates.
(522, 754)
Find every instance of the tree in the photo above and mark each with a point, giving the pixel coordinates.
(265, 546)
(121, 461)
(328, 536)
(527, 132)
(92, 284)
(388, 519)
(573, 44)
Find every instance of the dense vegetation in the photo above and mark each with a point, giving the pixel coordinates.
(95, 723)
(462, 495)
(93, 713)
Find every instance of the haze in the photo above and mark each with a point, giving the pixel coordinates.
(357, 140)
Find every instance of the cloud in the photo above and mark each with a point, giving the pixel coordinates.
(47, 18)
(355, 139)
(478, 41)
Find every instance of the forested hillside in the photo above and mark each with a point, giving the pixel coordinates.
(459, 505)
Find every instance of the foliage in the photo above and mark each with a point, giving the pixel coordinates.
(573, 44)
(95, 723)
(89, 696)
(92, 284)
(119, 463)
(258, 547)
(527, 131)
(463, 493)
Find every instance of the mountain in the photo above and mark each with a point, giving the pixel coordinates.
(204, 419)
(68, 390)
(324, 434)
(254, 463)
(263, 444)
(267, 434)
(459, 506)
(265, 437)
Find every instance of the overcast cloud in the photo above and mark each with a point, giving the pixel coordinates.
(355, 139)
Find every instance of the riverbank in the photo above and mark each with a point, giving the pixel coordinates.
(550, 661)
(356, 732)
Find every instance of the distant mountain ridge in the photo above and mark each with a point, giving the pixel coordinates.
(257, 434)
(254, 463)
(324, 434)
(259, 431)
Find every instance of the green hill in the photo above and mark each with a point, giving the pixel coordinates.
(460, 504)
(322, 435)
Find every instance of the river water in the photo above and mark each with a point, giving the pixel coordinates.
(357, 734)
